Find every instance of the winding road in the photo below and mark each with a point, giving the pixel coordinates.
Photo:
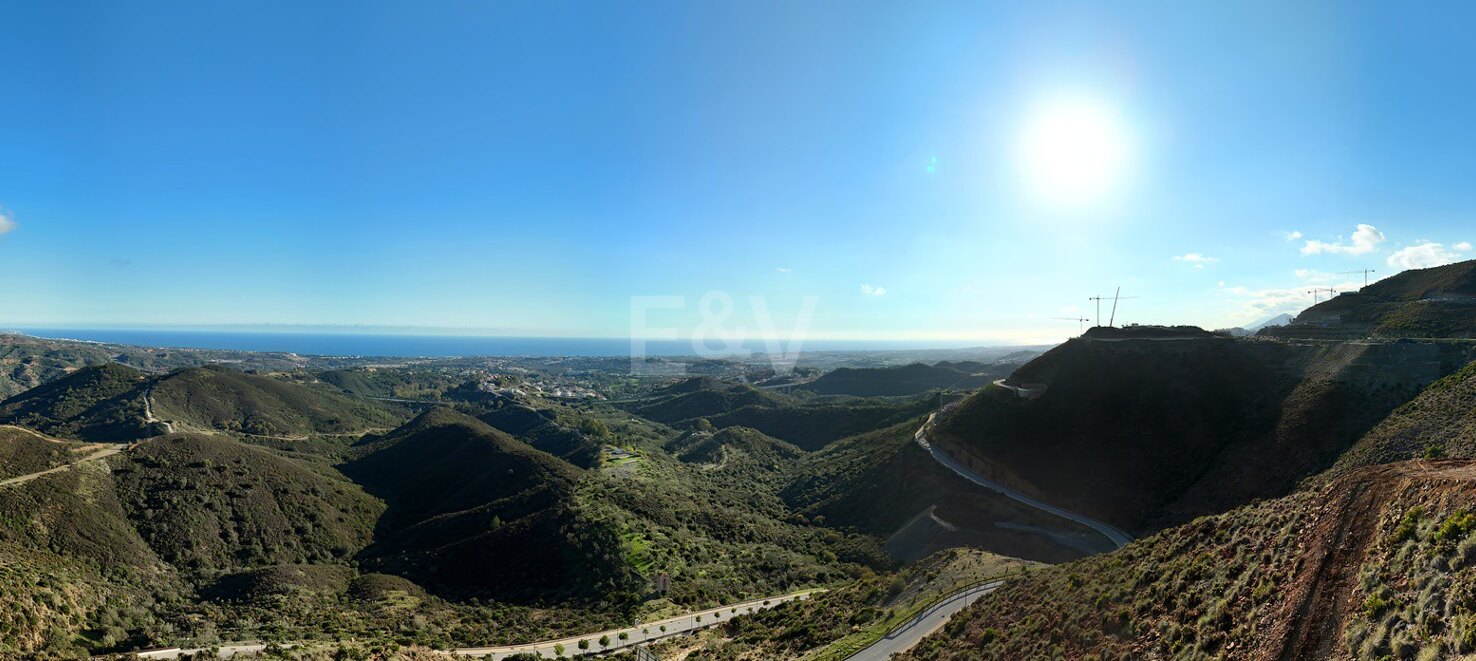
(903, 638)
(1119, 538)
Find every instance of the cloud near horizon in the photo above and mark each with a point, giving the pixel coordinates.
(1366, 239)
(1427, 254)
(869, 290)
(7, 224)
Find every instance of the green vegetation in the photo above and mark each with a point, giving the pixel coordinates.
(100, 403)
(904, 380)
(23, 452)
(215, 398)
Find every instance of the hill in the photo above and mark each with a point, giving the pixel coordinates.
(96, 403)
(1149, 432)
(883, 483)
(23, 452)
(907, 379)
(731, 444)
(221, 399)
(1375, 564)
(472, 511)
(541, 429)
(1433, 302)
(212, 503)
(807, 423)
(1440, 422)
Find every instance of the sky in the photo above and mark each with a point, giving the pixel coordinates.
(918, 170)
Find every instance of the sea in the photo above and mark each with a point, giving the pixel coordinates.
(410, 346)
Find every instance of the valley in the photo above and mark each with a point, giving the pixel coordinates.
(1165, 491)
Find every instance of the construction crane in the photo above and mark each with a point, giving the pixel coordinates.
(1364, 272)
(1114, 298)
(1315, 291)
(1080, 322)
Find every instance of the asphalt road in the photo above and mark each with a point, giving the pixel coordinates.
(1118, 537)
(645, 632)
(906, 636)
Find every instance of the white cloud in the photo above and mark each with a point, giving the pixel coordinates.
(781, 269)
(873, 291)
(1366, 239)
(7, 224)
(1292, 235)
(1197, 259)
(1426, 255)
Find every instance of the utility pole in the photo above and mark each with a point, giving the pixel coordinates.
(1364, 272)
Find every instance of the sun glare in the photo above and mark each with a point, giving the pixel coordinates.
(1073, 152)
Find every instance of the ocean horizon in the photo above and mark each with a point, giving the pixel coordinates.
(416, 346)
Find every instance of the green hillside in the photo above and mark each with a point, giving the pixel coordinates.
(97, 403)
(1146, 433)
(542, 430)
(23, 452)
(222, 399)
(472, 511)
(807, 423)
(904, 380)
(211, 503)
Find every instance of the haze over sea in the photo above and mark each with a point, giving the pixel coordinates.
(409, 345)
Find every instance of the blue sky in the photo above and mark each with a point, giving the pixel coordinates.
(529, 167)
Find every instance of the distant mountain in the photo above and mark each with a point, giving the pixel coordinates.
(1433, 302)
(1277, 320)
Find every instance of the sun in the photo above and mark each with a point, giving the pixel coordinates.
(1073, 152)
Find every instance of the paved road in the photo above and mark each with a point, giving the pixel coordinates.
(674, 626)
(1118, 537)
(642, 633)
(906, 636)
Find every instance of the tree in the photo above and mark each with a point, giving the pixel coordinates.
(663, 628)
(605, 640)
(584, 644)
(595, 428)
(703, 424)
(624, 636)
(558, 649)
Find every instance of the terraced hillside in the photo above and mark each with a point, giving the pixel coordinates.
(1420, 303)
(1148, 432)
